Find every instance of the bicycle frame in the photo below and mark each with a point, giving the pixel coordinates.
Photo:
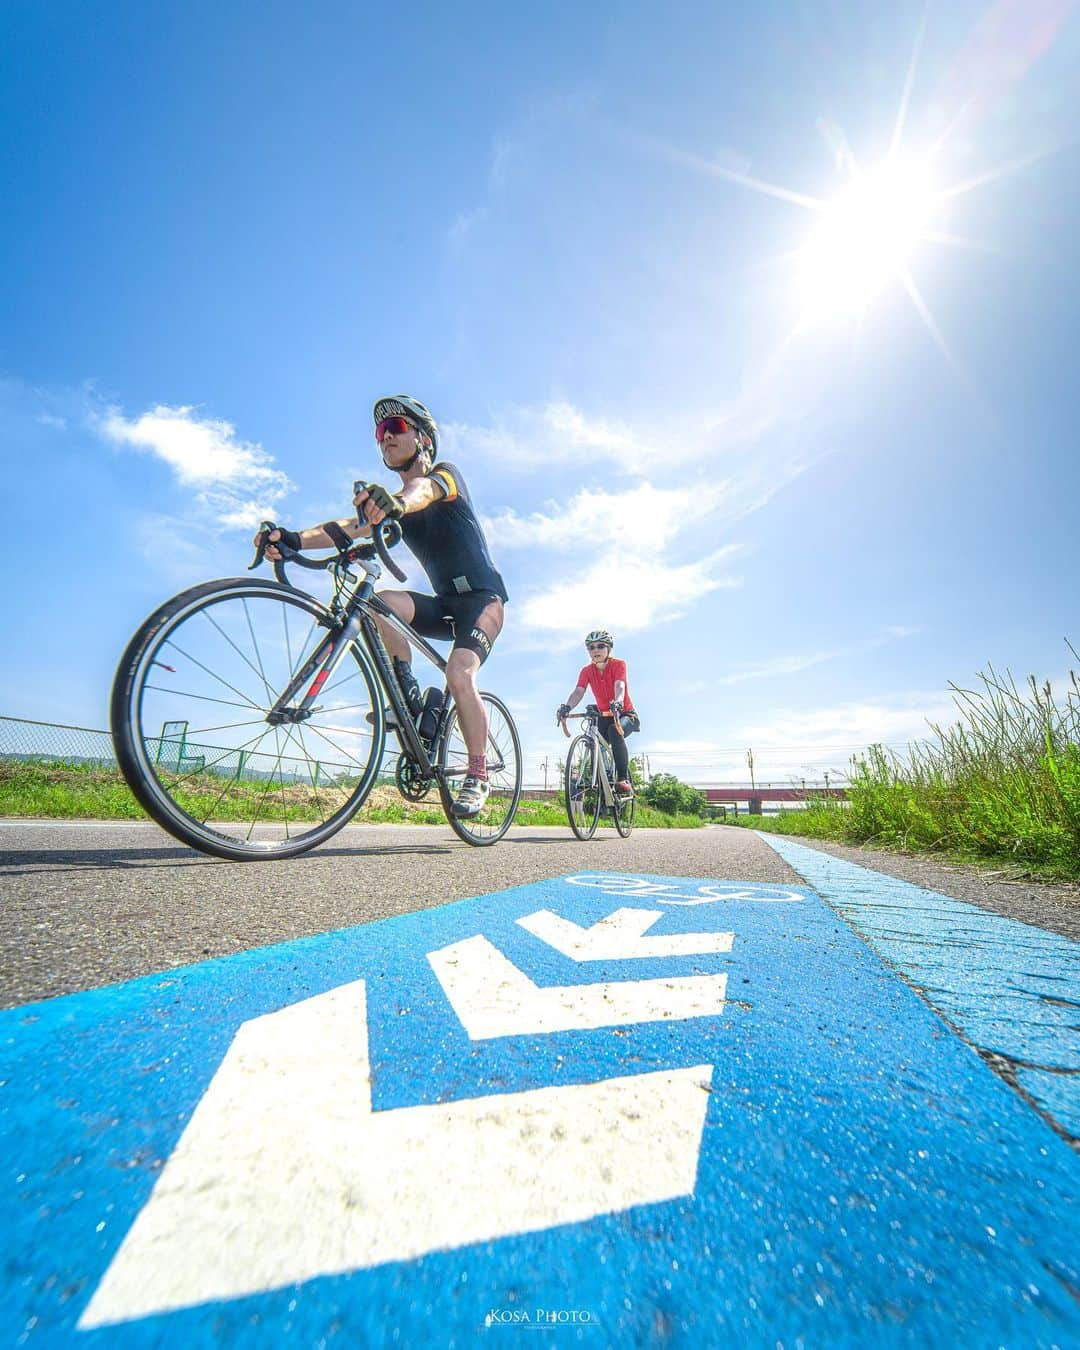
(603, 769)
(357, 617)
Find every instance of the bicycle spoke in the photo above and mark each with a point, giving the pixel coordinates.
(339, 681)
(203, 698)
(309, 761)
(265, 794)
(232, 750)
(195, 661)
(207, 816)
(313, 726)
(224, 726)
(258, 670)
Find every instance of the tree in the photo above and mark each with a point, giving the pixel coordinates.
(669, 795)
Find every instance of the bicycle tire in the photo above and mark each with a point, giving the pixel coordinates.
(241, 777)
(505, 777)
(624, 814)
(582, 787)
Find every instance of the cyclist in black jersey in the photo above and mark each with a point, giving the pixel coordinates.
(441, 528)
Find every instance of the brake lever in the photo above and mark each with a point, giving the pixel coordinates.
(386, 528)
(263, 537)
(260, 552)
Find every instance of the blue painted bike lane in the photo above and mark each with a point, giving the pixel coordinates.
(628, 1110)
(1012, 989)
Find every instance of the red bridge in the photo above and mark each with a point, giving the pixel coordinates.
(755, 796)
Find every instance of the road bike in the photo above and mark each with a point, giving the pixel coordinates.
(589, 780)
(250, 718)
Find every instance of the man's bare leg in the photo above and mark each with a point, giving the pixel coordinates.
(461, 677)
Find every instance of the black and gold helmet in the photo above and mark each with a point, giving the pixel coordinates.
(404, 405)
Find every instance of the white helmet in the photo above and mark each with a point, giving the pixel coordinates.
(600, 635)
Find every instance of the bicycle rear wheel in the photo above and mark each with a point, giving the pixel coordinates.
(503, 770)
(582, 787)
(189, 712)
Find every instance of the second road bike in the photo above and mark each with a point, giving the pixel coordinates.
(589, 779)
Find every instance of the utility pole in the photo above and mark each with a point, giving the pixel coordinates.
(545, 766)
(750, 761)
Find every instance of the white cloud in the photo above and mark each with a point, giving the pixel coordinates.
(594, 517)
(845, 727)
(235, 481)
(798, 744)
(622, 592)
(534, 436)
(795, 663)
(558, 432)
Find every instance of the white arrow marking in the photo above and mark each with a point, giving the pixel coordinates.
(620, 937)
(284, 1173)
(493, 998)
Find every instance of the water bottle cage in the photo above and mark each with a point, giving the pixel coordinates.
(427, 724)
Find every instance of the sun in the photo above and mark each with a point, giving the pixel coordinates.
(865, 239)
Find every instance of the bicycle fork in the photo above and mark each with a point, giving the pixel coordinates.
(325, 659)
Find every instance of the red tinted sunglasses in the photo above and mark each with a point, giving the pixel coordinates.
(391, 426)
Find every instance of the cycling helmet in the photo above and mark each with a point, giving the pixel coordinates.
(404, 405)
(600, 635)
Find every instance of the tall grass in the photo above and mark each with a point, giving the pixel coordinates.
(1002, 783)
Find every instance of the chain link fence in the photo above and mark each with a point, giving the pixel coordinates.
(53, 743)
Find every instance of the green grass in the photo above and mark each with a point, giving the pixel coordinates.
(1002, 785)
(553, 812)
(59, 790)
(55, 789)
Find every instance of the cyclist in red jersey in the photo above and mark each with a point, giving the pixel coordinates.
(606, 676)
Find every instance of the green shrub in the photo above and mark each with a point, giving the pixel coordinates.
(668, 794)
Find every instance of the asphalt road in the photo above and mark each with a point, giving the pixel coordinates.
(769, 1138)
(87, 904)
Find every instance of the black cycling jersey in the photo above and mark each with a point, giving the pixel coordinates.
(448, 543)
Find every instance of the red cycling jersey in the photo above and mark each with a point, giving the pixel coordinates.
(603, 683)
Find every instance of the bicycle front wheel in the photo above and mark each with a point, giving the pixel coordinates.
(624, 814)
(503, 752)
(582, 787)
(205, 747)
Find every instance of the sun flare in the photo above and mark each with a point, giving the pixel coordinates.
(865, 239)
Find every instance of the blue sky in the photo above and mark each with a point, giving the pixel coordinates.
(800, 428)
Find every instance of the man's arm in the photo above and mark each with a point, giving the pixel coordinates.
(417, 495)
(316, 537)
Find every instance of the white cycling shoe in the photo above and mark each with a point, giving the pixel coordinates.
(470, 800)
